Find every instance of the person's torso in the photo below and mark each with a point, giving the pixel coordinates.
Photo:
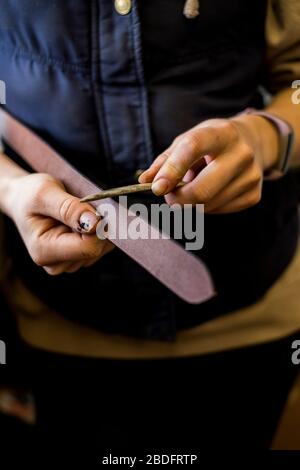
(110, 92)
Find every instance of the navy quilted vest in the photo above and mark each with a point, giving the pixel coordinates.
(110, 92)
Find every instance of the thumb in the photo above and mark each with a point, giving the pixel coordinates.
(68, 210)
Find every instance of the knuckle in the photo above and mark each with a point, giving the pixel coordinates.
(190, 143)
(231, 129)
(38, 259)
(253, 198)
(40, 186)
(247, 153)
(256, 175)
(92, 250)
(214, 134)
(39, 193)
(99, 249)
(177, 140)
(67, 208)
(54, 271)
(47, 179)
(173, 169)
(36, 255)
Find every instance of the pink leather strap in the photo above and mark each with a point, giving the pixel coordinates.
(179, 270)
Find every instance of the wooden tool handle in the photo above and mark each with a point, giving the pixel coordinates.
(122, 191)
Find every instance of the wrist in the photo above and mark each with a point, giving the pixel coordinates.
(263, 138)
(9, 186)
(7, 195)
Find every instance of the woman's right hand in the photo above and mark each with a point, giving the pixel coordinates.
(58, 230)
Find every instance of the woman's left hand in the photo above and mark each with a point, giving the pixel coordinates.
(222, 160)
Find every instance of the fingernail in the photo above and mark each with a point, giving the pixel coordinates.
(141, 178)
(160, 186)
(87, 221)
(138, 174)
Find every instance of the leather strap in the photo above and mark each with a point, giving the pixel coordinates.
(177, 269)
(286, 141)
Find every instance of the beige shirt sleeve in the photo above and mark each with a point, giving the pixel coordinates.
(283, 44)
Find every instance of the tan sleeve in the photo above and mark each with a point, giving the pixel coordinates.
(283, 43)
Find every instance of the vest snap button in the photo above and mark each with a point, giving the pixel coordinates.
(123, 7)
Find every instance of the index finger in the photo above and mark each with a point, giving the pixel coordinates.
(60, 245)
(189, 150)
